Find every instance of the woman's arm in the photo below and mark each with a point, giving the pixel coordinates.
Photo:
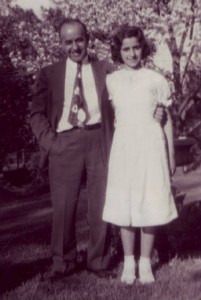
(168, 129)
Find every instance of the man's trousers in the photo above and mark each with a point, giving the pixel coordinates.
(72, 152)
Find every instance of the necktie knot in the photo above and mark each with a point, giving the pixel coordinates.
(79, 70)
(79, 66)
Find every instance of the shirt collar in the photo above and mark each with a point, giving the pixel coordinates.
(73, 64)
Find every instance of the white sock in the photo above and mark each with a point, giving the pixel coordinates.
(128, 274)
(145, 271)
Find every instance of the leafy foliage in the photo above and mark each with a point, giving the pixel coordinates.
(175, 23)
(25, 49)
(29, 43)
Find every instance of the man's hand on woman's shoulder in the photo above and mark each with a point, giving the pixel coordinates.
(160, 114)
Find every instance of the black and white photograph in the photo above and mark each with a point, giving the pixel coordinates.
(100, 149)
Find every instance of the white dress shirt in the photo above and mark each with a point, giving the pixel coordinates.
(90, 94)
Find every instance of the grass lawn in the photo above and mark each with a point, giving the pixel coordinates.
(25, 254)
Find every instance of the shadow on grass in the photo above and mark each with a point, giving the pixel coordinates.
(12, 276)
(25, 224)
(197, 276)
(181, 238)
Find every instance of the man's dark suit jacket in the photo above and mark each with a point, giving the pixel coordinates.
(48, 102)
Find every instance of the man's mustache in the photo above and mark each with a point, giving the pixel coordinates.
(78, 51)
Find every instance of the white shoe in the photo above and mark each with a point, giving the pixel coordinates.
(128, 274)
(145, 272)
(128, 277)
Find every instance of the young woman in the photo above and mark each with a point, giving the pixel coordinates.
(142, 156)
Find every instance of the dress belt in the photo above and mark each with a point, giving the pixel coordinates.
(87, 127)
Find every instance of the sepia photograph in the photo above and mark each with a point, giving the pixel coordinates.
(100, 149)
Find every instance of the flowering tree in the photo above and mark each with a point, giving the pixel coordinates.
(176, 23)
(29, 43)
(173, 22)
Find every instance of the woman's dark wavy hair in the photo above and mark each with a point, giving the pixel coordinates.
(124, 32)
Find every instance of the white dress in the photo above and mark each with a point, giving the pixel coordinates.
(138, 188)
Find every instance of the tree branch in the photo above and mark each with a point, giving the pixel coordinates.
(185, 102)
(187, 63)
(184, 35)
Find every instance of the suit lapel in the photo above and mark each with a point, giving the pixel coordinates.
(99, 77)
(59, 79)
(58, 83)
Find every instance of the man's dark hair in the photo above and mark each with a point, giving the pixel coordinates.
(68, 21)
(124, 32)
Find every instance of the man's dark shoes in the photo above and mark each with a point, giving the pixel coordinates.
(56, 275)
(51, 276)
(107, 274)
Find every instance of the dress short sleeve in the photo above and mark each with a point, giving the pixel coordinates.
(163, 92)
(109, 86)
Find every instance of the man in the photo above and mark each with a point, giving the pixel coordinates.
(71, 148)
(73, 123)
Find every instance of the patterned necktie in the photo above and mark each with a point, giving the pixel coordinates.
(78, 112)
